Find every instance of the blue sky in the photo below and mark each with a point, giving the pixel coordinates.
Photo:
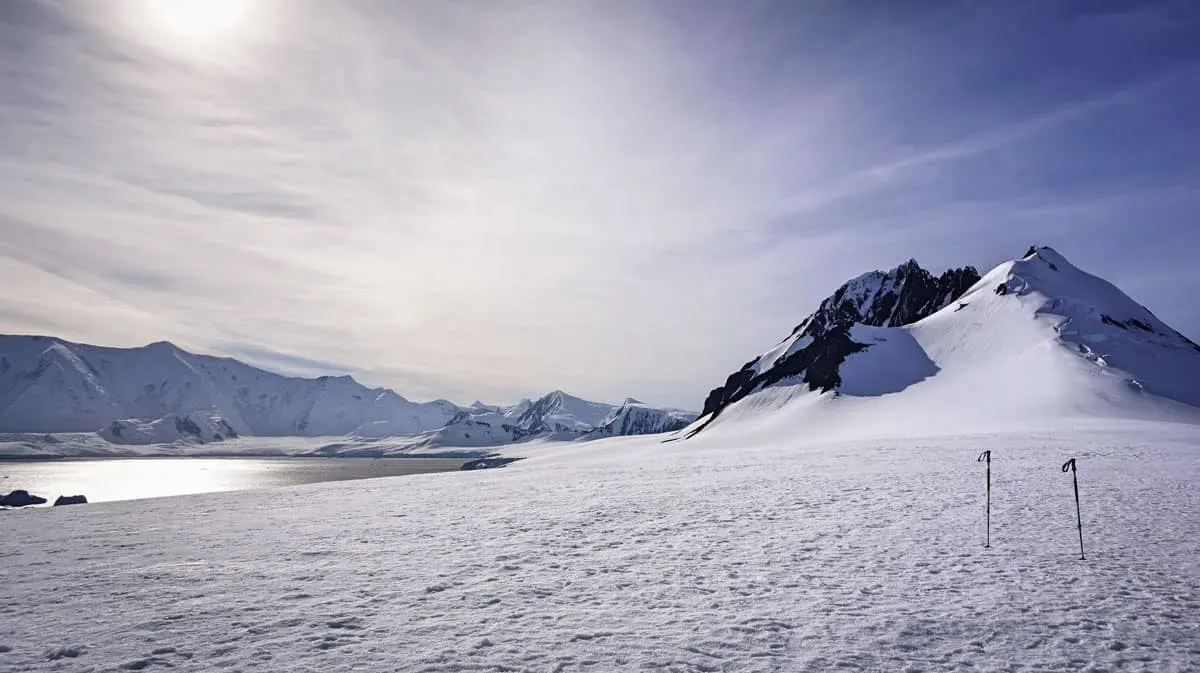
(495, 199)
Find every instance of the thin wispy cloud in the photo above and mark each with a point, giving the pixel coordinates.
(496, 199)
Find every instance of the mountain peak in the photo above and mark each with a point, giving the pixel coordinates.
(817, 346)
(986, 340)
(339, 378)
(162, 346)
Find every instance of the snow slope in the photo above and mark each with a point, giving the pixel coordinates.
(1035, 343)
(629, 554)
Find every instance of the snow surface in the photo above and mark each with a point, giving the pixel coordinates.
(1033, 354)
(792, 344)
(631, 554)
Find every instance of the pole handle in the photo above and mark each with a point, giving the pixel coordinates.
(1069, 466)
(986, 455)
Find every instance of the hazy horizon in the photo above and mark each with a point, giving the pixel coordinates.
(494, 200)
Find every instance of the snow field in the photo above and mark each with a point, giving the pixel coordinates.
(633, 555)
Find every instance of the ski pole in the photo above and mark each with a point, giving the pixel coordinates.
(987, 456)
(1070, 466)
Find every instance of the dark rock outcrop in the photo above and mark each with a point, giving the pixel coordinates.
(487, 463)
(70, 500)
(21, 498)
(822, 342)
(186, 426)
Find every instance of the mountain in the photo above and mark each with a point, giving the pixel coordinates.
(816, 348)
(636, 418)
(1034, 341)
(160, 393)
(51, 385)
(557, 416)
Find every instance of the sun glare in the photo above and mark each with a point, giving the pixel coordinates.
(198, 29)
(198, 19)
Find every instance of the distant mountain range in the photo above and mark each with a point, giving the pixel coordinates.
(160, 393)
(1036, 341)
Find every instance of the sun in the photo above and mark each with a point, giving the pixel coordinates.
(198, 20)
(200, 31)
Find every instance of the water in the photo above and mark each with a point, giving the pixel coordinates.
(133, 478)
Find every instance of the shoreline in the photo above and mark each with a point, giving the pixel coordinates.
(464, 457)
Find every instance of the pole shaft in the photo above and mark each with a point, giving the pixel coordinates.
(1078, 515)
(988, 543)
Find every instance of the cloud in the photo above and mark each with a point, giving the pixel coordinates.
(490, 201)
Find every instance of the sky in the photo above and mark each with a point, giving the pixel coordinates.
(493, 199)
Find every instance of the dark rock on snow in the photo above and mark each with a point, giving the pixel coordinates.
(487, 463)
(70, 500)
(20, 498)
(898, 297)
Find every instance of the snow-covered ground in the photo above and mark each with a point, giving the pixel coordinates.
(630, 554)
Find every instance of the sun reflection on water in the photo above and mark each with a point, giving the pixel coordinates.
(135, 478)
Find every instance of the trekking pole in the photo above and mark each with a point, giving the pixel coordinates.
(987, 456)
(1070, 466)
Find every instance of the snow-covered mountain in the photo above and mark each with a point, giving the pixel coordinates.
(556, 416)
(636, 418)
(160, 393)
(1035, 341)
(814, 351)
(51, 385)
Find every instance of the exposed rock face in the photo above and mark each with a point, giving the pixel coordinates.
(70, 500)
(487, 463)
(20, 498)
(817, 346)
(635, 418)
(194, 428)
